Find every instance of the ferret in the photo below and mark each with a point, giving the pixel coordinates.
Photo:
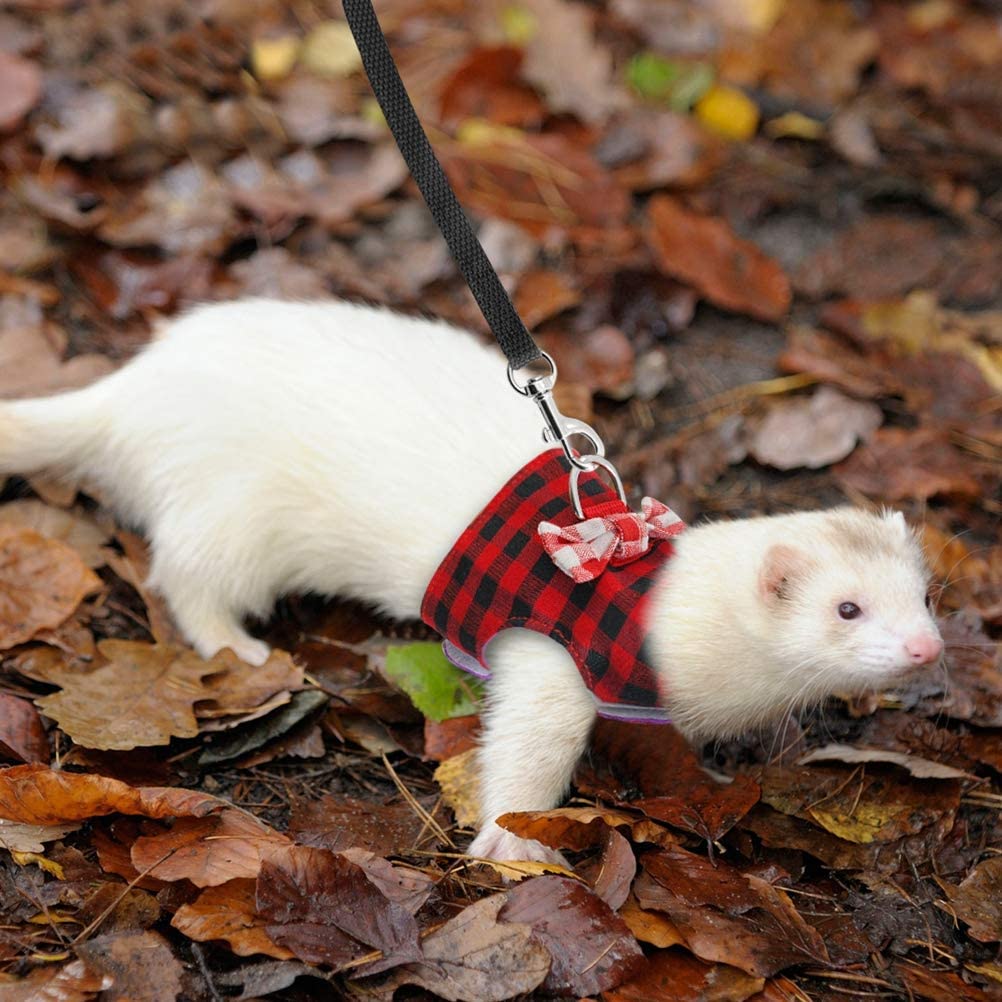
(268, 447)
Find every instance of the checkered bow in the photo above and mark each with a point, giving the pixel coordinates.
(611, 534)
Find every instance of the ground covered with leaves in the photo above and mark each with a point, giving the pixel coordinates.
(762, 240)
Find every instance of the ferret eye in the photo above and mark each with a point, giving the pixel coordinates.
(849, 610)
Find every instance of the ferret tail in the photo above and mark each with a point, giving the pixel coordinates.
(59, 434)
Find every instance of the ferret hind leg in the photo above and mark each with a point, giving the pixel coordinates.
(537, 723)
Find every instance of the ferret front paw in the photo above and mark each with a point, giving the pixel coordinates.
(494, 842)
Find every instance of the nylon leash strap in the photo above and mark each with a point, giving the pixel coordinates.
(495, 304)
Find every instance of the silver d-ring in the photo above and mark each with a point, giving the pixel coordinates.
(523, 388)
(594, 461)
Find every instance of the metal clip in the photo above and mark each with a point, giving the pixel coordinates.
(558, 429)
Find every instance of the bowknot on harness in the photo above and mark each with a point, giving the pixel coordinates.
(611, 534)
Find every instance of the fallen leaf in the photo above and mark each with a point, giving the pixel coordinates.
(600, 359)
(338, 823)
(486, 85)
(31, 363)
(813, 431)
(22, 736)
(76, 981)
(475, 957)
(863, 805)
(325, 909)
(274, 58)
(238, 688)
(20, 88)
(650, 926)
(229, 912)
(75, 528)
(18, 837)
(330, 50)
(261, 980)
(543, 294)
(617, 868)
(458, 779)
(902, 463)
(279, 722)
(143, 696)
(921, 768)
(978, 900)
(679, 976)
(706, 253)
(728, 111)
(445, 738)
(403, 885)
(591, 947)
(141, 964)
(578, 828)
(228, 845)
(727, 916)
(41, 582)
(564, 60)
(95, 122)
(36, 795)
(436, 686)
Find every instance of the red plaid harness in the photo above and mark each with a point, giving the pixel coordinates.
(499, 575)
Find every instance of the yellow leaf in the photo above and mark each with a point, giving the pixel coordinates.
(728, 111)
(519, 869)
(25, 858)
(795, 125)
(518, 25)
(458, 778)
(273, 58)
(480, 132)
(330, 50)
(52, 918)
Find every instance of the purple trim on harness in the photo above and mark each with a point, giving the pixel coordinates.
(610, 711)
(463, 660)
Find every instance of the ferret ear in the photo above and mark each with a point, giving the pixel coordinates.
(781, 567)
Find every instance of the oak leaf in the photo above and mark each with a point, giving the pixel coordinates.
(144, 696)
(41, 582)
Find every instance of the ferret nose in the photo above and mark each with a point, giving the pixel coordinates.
(923, 648)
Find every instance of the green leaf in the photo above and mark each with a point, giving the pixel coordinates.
(436, 687)
(677, 83)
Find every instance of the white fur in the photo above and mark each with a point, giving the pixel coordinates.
(268, 447)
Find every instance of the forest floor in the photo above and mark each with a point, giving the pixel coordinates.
(762, 240)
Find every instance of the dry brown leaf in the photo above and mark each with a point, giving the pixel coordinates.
(20, 88)
(22, 735)
(75, 528)
(339, 822)
(921, 768)
(650, 927)
(902, 463)
(543, 294)
(73, 982)
(18, 837)
(141, 963)
(978, 900)
(813, 431)
(229, 912)
(475, 957)
(579, 828)
(37, 795)
(134, 567)
(144, 696)
(727, 916)
(564, 60)
(706, 253)
(678, 975)
(208, 851)
(238, 688)
(31, 363)
(591, 947)
(41, 582)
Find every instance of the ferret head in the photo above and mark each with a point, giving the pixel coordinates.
(849, 599)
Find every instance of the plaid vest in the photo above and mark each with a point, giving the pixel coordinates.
(498, 575)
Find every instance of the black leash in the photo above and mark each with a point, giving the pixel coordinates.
(505, 323)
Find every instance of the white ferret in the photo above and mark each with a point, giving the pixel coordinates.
(270, 447)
